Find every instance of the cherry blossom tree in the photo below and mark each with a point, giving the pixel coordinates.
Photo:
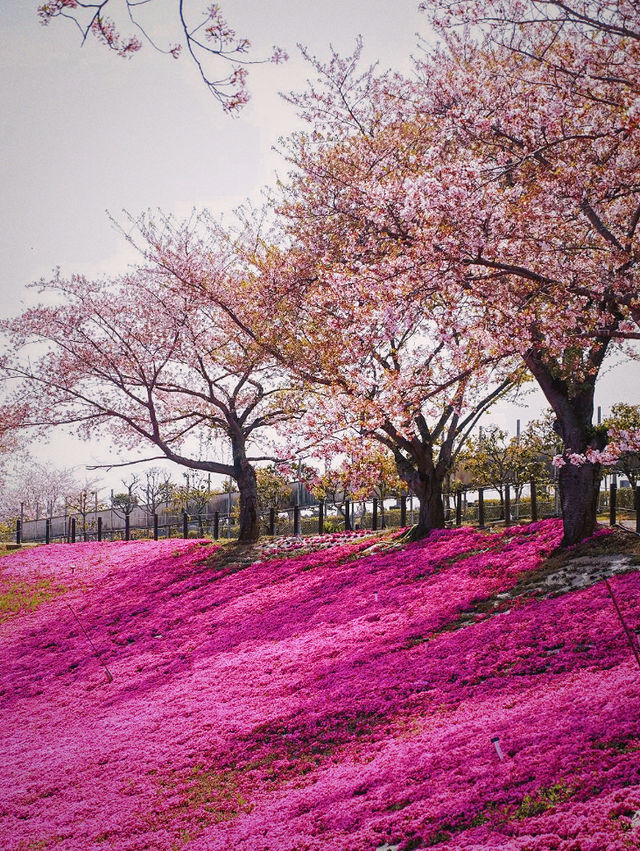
(144, 361)
(381, 370)
(423, 435)
(203, 33)
(546, 214)
(508, 187)
(373, 367)
(506, 22)
(12, 416)
(35, 490)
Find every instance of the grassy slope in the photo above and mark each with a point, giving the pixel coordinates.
(328, 701)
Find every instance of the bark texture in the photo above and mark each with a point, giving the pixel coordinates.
(572, 402)
(425, 480)
(248, 491)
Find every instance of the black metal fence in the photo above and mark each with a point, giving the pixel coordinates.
(480, 507)
(391, 513)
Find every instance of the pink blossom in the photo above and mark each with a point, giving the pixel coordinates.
(323, 701)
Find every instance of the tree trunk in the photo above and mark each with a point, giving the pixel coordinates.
(579, 485)
(579, 488)
(248, 488)
(572, 403)
(428, 489)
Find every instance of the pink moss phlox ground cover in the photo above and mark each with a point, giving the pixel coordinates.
(324, 701)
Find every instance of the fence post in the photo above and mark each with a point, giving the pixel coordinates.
(321, 518)
(637, 502)
(347, 516)
(73, 530)
(99, 528)
(534, 501)
(403, 511)
(459, 508)
(127, 528)
(18, 531)
(185, 524)
(374, 521)
(216, 525)
(481, 508)
(47, 530)
(507, 505)
(155, 527)
(613, 494)
(296, 520)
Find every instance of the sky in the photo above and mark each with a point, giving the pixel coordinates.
(87, 135)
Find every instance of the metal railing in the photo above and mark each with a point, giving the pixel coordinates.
(466, 506)
(297, 520)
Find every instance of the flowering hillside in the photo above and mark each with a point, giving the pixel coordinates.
(330, 701)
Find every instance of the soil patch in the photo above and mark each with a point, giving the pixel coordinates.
(565, 570)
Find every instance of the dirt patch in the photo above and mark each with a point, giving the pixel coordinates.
(234, 556)
(581, 566)
(230, 558)
(564, 571)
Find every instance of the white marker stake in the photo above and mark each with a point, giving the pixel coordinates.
(375, 595)
(496, 744)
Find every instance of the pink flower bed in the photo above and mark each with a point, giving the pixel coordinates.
(316, 702)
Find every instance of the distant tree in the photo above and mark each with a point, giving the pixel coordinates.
(274, 489)
(125, 502)
(371, 471)
(332, 486)
(35, 490)
(493, 459)
(156, 489)
(81, 501)
(488, 459)
(538, 445)
(622, 426)
(147, 358)
(194, 496)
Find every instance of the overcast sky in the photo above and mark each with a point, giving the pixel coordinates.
(85, 132)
